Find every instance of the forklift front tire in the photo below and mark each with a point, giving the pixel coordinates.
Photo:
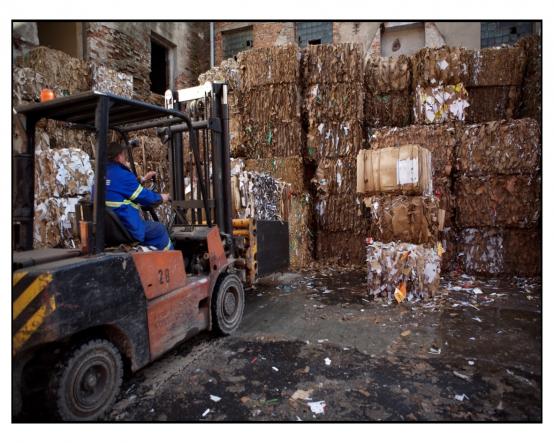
(86, 381)
(228, 304)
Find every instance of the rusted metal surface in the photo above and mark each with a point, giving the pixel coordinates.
(160, 272)
(215, 250)
(178, 315)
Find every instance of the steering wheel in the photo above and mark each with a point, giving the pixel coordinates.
(150, 209)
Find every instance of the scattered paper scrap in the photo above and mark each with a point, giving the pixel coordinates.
(405, 333)
(206, 412)
(215, 398)
(327, 361)
(462, 376)
(275, 369)
(461, 397)
(317, 407)
(301, 394)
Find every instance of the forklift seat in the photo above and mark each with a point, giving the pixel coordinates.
(116, 233)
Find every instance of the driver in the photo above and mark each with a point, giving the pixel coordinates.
(124, 195)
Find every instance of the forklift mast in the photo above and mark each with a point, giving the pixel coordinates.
(200, 183)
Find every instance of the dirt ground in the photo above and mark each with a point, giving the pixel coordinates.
(313, 347)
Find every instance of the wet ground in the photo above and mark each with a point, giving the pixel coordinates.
(313, 347)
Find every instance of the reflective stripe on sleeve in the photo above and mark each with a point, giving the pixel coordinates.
(113, 204)
(168, 245)
(136, 193)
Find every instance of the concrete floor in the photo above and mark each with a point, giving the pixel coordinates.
(313, 347)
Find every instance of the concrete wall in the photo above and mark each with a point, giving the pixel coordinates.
(463, 34)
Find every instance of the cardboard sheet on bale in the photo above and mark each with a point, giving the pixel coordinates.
(446, 65)
(412, 270)
(388, 109)
(334, 102)
(403, 218)
(498, 201)
(287, 169)
(500, 251)
(495, 66)
(340, 63)
(440, 140)
(60, 71)
(531, 88)
(272, 103)
(405, 169)
(340, 248)
(492, 103)
(500, 147)
(55, 223)
(269, 139)
(333, 140)
(440, 104)
(300, 230)
(272, 65)
(335, 176)
(339, 212)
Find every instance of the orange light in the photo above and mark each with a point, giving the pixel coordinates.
(46, 94)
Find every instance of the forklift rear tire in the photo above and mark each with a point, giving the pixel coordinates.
(228, 304)
(86, 381)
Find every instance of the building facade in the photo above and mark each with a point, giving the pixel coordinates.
(383, 38)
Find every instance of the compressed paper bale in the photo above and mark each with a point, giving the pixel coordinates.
(269, 139)
(27, 84)
(287, 169)
(492, 103)
(341, 63)
(389, 109)
(495, 66)
(440, 140)
(449, 242)
(300, 231)
(404, 169)
(227, 71)
(334, 102)
(439, 104)
(236, 145)
(500, 251)
(339, 212)
(104, 79)
(385, 75)
(62, 173)
(55, 223)
(335, 176)
(272, 103)
(272, 65)
(390, 264)
(60, 71)
(498, 201)
(333, 140)
(432, 66)
(403, 218)
(531, 88)
(443, 192)
(500, 147)
(340, 248)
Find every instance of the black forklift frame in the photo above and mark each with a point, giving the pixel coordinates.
(99, 112)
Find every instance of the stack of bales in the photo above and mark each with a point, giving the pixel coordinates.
(272, 137)
(396, 183)
(498, 197)
(333, 105)
(388, 97)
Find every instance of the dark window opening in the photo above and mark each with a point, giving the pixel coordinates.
(314, 33)
(236, 41)
(507, 32)
(159, 68)
(63, 36)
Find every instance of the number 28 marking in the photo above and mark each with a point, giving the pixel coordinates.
(164, 275)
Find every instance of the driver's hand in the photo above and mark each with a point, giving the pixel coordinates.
(165, 197)
(149, 176)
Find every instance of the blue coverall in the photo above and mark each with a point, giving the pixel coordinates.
(124, 195)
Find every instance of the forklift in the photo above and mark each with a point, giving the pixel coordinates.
(82, 318)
